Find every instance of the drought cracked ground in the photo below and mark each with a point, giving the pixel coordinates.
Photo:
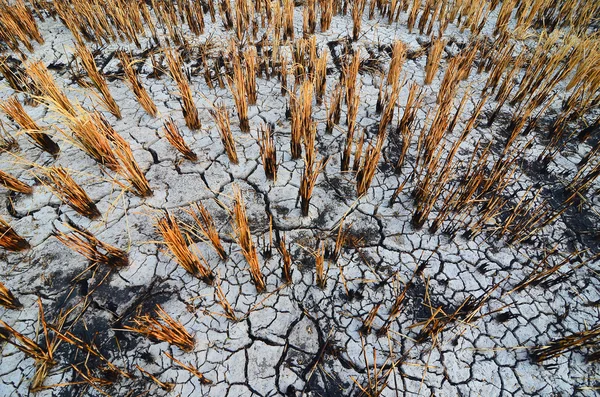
(475, 304)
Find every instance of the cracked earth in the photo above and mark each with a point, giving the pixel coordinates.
(296, 339)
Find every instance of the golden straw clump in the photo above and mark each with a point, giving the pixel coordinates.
(244, 239)
(69, 192)
(320, 268)
(52, 95)
(301, 111)
(308, 181)
(13, 108)
(286, 258)
(221, 117)
(43, 355)
(239, 89)
(12, 183)
(18, 24)
(221, 299)
(177, 243)
(89, 64)
(358, 9)
(7, 299)
(368, 167)
(320, 77)
(288, 19)
(326, 14)
(129, 168)
(268, 151)
(250, 59)
(190, 113)
(174, 137)
(163, 328)
(10, 240)
(92, 133)
(205, 227)
(136, 85)
(94, 250)
(398, 59)
(433, 59)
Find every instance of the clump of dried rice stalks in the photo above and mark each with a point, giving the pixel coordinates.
(18, 24)
(174, 137)
(398, 58)
(7, 141)
(358, 9)
(129, 168)
(350, 71)
(69, 192)
(136, 86)
(12, 183)
(13, 108)
(14, 75)
(221, 299)
(566, 344)
(326, 14)
(301, 111)
(268, 151)
(288, 19)
(97, 252)
(334, 112)
(433, 59)
(93, 135)
(342, 236)
(250, 59)
(206, 227)
(242, 18)
(225, 8)
(388, 110)
(309, 21)
(10, 240)
(238, 87)
(307, 182)
(221, 117)
(89, 64)
(52, 94)
(164, 329)
(174, 239)
(244, 239)
(7, 299)
(43, 356)
(287, 260)
(368, 167)
(190, 113)
(320, 78)
(405, 124)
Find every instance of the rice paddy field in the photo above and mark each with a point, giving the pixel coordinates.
(299, 198)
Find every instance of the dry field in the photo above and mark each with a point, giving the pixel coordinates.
(299, 198)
